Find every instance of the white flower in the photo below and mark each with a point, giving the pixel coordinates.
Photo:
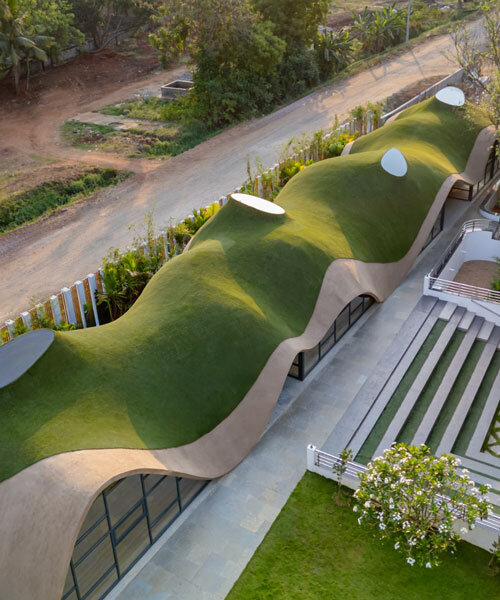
(410, 561)
(367, 504)
(359, 521)
(463, 531)
(396, 546)
(465, 472)
(382, 526)
(428, 565)
(355, 509)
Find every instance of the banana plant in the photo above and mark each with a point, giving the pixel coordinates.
(20, 42)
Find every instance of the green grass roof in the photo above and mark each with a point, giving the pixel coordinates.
(191, 347)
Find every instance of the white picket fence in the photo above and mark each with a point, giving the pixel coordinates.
(68, 304)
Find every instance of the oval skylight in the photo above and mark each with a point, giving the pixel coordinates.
(18, 355)
(394, 163)
(259, 204)
(451, 95)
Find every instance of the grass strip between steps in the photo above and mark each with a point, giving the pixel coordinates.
(372, 441)
(455, 395)
(477, 407)
(431, 387)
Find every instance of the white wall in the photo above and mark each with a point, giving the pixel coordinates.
(477, 245)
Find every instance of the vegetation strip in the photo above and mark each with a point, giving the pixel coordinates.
(372, 441)
(29, 206)
(315, 549)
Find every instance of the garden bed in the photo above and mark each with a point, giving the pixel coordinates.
(316, 550)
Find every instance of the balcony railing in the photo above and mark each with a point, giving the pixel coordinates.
(463, 289)
(467, 227)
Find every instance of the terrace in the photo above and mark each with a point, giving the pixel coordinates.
(465, 272)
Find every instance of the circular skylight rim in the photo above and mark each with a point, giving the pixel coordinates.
(394, 163)
(259, 204)
(451, 95)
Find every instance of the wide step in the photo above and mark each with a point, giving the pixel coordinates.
(460, 414)
(447, 383)
(418, 385)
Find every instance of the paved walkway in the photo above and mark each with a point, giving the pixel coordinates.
(42, 258)
(202, 556)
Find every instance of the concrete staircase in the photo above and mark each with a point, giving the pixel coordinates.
(410, 417)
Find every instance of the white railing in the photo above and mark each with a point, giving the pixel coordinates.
(463, 289)
(68, 304)
(322, 463)
(438, 284)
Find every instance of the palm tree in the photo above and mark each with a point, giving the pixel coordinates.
(20, 42)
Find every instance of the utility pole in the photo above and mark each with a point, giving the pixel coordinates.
(408, 22)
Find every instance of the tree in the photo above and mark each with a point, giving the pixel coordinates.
(235, 53)
(296, 22)
(104, 21)
(55, 19)
(20, 41)
(481, 64)
(414, 500)
(380, 28)
(333, 52)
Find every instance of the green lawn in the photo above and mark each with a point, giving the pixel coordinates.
(316, 550)
(184, 356)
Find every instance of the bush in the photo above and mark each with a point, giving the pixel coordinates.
(401, 497)
(32, 204)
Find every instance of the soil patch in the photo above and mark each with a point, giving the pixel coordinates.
(477, 272)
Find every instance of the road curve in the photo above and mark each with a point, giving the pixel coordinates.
(40, 259)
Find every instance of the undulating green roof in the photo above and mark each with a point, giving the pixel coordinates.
(194, 343)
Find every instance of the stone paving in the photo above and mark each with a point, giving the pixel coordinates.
(203, 554)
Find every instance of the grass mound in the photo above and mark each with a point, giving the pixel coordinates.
(316, 550)
(184, 356)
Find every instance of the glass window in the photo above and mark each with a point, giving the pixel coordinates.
(94, 566)
(121, 530)
(123, 496)
(342, 322)
(132, 545)
(188, 489)
(162, 496)
(311, 358)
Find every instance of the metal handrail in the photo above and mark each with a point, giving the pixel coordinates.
(328, 461)
(464, 289)
(467, 227)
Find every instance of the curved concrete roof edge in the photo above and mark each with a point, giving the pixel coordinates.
(44, 506)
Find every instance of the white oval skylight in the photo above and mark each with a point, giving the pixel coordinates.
(451, 95)
(259, 204)
(394, 163)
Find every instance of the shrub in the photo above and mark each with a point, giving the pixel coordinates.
(402, 497)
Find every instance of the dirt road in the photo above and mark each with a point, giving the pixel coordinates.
(40, 259)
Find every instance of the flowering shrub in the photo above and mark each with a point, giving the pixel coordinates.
(413, 499)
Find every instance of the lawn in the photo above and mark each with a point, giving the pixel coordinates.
(315, 550)
(187, 352)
